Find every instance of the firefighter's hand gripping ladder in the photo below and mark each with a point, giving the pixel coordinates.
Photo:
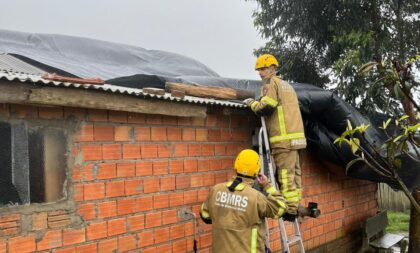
(268, 158)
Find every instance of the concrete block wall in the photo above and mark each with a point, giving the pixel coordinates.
(129, 175)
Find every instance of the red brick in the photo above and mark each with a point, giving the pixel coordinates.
(169, 217)
(143, 134)
(220, 149)
(22, 244)
(188, 134)
(71, 237)
(96, 230)
(169, 120)
(197, 121)
(154, 119)
(76, 173)
(158, 134)
(116, 227)
(190, 197)
(126, 169)
(184, 121)
(160, 167)
(39, 221)
(24, 111)
(103, 133)
(153, 220)
(197, 180)
(151, 185)
(115, 189)
(176, 166)
(50, 112)
(107, 209)
(133, 187)
(165, 248)
(85, 133)
(106, 171)
(127, 243)
(190, 166)
(136, 118)
(167, 183)
(146, 238)
(150, 250)
(149, 151)
(144, 203)
(117, 116)
(174, 134)
(122, 133)
(98, 115)
(87, 211)
(108, 246)
(182, 182)
(207, 150)
(91, 152)
(164, 150)
(131, 151)
(214, 135)
(94, 191)
(194, 149)
(179, 246)
(201, 134)
(160, 201)
(144, 168)
(126, 206)
(88, 173)
(87, 248)
(75, 113)
(181, 150)
(176, 199)
(111, 151)
(2, 244)
(203, 165)
(135, 223)
(161, 235)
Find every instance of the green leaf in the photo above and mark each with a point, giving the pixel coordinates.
(397, 91)
(362, 128)
(349, 126)
(352, 162)
(403, 117)
(385, 124)
(397, 138)
(397, 163)
(354, 144)
(367, 67)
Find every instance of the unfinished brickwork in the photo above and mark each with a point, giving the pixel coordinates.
(130, 174)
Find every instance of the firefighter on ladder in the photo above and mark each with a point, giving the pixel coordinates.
(279, 105)
(237, 211)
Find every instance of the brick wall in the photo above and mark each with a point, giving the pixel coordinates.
(130, 174)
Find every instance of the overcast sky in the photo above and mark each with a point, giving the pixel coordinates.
(219, 33)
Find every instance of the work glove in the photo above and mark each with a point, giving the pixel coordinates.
(248, 101)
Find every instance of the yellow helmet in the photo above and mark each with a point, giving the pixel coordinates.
(265, 61)
(247, 163)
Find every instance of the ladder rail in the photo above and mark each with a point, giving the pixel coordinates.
(263, 141)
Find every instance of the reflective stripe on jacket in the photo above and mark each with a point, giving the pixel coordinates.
(280, 106)
(238, 217)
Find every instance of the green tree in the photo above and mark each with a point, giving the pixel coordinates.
(339, 43)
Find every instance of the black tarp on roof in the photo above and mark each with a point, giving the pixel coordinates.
(325, 115)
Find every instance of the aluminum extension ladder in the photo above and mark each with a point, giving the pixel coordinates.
(265, 146)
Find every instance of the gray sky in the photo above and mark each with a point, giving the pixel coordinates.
(219, 33)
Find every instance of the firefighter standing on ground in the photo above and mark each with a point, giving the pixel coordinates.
(280, 107)
(237, 211)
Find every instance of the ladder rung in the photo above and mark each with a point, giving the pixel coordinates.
(294, 239)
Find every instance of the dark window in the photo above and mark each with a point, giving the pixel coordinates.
(33, 162)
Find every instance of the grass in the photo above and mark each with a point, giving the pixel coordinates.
(398, 222)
